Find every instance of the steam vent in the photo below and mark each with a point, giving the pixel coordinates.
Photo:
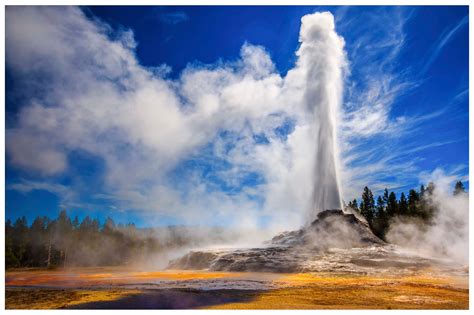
(336, 240)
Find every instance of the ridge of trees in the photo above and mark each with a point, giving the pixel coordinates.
(418, 204)
(65, 242)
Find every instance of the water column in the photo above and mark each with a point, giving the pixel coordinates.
(321, 59)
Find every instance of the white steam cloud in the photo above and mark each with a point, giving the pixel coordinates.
(87, 92)
(321, 56)
(448, 236)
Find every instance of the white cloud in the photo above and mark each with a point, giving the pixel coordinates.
(89, 93)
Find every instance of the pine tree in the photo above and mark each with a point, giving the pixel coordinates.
(430, 189)
(380, 205)
(459, 188)
(429, 208)
(422, 191)
(63, 235)
(10, 258)
(392, 205)
(20, 240)
(38, 241)
(403, 205)
(86, 225)
(380, 223)
(353, 205)
(367, 205)
(413, 202)
(109, 225)
(385, 196)
(75, 223)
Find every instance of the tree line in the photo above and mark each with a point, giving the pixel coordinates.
(65, 242)
(416, 204)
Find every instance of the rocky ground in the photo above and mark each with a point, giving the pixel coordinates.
(335, 242)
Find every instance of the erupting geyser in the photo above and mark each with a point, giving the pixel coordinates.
(332, 240)
(321, 57)
(318, 72)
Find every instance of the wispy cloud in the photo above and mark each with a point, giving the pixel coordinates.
(369, 132)
(26, 186)
(374, 82)
(442, 42)
(173, 18)
(387, 164)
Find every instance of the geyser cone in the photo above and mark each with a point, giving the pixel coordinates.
(321, 57)
(293, 251)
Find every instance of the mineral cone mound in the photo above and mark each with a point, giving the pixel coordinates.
(332, 228)
(335, 241)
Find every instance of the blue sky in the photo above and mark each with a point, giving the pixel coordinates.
(404, 114)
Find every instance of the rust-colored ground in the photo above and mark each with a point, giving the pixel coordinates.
(309, 291)
(31, 298)
(101, 288)
(76, 277)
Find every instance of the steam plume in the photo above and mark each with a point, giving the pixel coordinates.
(322, 56)
(448, 236)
